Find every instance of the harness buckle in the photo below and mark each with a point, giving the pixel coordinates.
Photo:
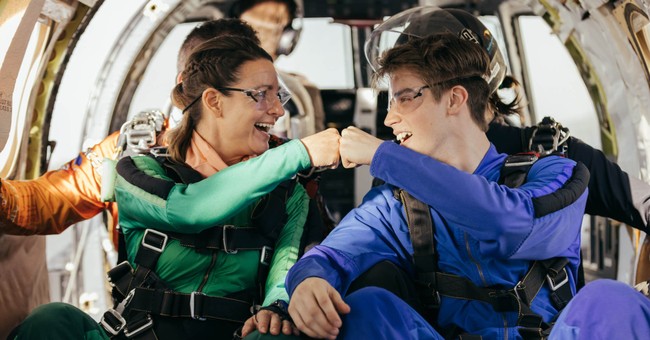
(520, 292)
(117, 272)
(112, 322)
(193, 313)
(148, 323)
(154, 233)
(551, 281)
(225, 239)
(266, 255)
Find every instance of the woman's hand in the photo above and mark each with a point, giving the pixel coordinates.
(323, 148)
(267, 321)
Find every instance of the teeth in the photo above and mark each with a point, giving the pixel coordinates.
(402, 136)
(264, 126)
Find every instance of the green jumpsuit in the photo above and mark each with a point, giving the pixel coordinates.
(227, 197)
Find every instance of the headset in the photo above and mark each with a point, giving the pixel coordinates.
(290, 33)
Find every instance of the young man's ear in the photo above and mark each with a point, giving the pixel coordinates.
(212, 100)
(458, 96)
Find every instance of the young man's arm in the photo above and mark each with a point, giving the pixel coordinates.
(367, 235)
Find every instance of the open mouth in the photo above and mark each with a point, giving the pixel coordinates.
(264, 127)
(403, 136)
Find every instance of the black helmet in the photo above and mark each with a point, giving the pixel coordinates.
(424, 20)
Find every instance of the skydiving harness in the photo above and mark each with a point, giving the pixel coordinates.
(141, 297)
(548, 138)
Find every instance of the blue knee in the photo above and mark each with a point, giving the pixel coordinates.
(605, 309)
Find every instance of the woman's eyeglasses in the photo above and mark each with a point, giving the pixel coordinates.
(263, 98)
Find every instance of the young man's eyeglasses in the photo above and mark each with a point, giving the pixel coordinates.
(407, 100)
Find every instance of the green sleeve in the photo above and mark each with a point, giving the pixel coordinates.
(287, 246)
(191, 208)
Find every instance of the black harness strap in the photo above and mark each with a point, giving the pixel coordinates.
(195, 305)
(425, 257)
(227, 238)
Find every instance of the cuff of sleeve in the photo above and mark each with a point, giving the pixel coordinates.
(296, 146)
(376, 163)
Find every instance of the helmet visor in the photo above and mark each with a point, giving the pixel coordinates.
(418, 22)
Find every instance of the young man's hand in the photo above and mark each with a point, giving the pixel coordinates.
(357, 147)
(315, 306)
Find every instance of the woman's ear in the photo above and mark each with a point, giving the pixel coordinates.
(458, 96)
(212, 101)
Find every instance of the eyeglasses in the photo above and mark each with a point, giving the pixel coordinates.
(407, 100)
(263, 98)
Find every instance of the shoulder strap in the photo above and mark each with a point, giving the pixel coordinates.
(425, 257)
(516, 167)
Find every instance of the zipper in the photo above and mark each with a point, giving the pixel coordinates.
(478, 265)
(207, 272)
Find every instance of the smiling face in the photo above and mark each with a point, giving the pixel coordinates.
(417, 120)
(243, 124)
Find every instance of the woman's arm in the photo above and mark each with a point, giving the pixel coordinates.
(148, 198)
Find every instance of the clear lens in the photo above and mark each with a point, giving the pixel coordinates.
(407, 100)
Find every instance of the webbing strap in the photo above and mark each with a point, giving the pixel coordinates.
(194, 305)
(425, 259)
(227, 238)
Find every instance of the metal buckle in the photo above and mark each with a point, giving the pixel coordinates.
(153, 247)
(263, 254)
(224, 239)
(520, 286)
(554, 286)
(135, 332)
(192, 313)
(114, 330)
(119, 271)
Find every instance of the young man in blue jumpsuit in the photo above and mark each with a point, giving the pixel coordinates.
(486, 233)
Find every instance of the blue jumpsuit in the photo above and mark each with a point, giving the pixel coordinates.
(485, 232)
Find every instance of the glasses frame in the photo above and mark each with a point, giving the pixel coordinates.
(252, 92)
(418, 93)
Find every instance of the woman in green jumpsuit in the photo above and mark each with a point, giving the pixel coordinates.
(211, 208)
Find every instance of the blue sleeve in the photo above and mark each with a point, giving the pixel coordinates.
(502, 219)
(373, 232)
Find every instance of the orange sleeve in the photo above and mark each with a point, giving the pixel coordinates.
(59, 198)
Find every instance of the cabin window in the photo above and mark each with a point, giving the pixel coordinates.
(323, 54)
(555, 87)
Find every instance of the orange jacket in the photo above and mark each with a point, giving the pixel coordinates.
(60, 198)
